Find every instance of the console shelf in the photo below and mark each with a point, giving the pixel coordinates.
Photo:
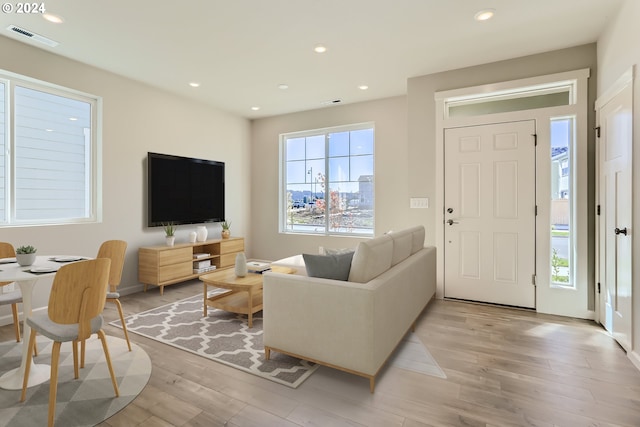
(165, 265)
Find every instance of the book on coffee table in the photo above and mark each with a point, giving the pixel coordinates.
(258, 266)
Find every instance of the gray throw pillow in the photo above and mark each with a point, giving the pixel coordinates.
(335, 267)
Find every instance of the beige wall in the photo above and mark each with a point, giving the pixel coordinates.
(619, 50)
(136, 118)
(392, 197)
(421, 90)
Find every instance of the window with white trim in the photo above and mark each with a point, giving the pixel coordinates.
(328, 181)
(48, 153)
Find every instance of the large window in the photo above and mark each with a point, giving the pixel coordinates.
(328, 181)
(48, 153)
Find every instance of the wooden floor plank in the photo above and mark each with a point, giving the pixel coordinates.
(504, 367)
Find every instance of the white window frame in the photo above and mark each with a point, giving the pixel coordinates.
(93, 158)
(283, 197)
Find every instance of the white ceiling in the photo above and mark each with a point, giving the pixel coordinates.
(241, 50)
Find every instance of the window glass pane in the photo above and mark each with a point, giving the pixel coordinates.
(295, 148)
(3, 149)
(361, 166)
(296, 172)
(339, 169)
(52, 156)
(561, 241)
(334, 194)
(315, 147)
(362, 142)
(339, 144)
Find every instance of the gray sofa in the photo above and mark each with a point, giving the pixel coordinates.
(352, 325)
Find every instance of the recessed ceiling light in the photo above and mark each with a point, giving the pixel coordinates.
(73, 119)
(53, 18)
(194, 84)
(283, 86)
(320, 49)
(363, 87)
(255, 108)
(484, 14)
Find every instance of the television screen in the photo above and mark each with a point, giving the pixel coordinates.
(184, 190)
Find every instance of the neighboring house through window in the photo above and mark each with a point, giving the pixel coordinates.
(328, 181)
(48, 153)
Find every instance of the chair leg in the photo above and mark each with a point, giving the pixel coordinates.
(27, 367)
(124, 325)
(53, 383)
(103, 338)
(76, 373)
(82, 351)
(16, 322)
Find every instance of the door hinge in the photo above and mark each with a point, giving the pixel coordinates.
(535, 139)
(536, 210)
(533, 279)
(598, 210)
(598, 287)
(597, 129)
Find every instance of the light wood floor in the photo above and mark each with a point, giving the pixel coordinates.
(504, 367)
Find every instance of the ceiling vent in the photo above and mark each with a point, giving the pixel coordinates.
(331, 102)
(32, 36)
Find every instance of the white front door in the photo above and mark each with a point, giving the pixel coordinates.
(489, 202)
(615, 238)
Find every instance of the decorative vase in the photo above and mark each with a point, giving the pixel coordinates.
(201, 233)
(241, 265)
(192, 237)
(28, 259)
(171, 240)
(225, 234)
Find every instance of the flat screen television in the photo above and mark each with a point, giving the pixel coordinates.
(184, 190)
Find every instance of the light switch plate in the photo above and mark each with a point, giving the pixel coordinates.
(419, 202)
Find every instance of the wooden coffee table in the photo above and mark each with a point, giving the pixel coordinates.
(244, 295)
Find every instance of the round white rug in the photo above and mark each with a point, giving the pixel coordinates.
(86, 401)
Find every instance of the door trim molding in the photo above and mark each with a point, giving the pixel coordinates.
(553, 301)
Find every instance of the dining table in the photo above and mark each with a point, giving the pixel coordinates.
(27, 277)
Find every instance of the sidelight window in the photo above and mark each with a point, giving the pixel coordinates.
(562, 137)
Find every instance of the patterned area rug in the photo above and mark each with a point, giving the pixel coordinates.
(221, 336)
(86, 401)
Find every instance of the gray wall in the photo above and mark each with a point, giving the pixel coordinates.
(136, 118)
(391, 196)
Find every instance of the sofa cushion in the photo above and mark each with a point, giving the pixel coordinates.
(417, 239)
(328, 266)
(371, 259)
(402, 245)
(336, 251)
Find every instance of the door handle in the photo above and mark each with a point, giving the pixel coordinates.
(620, 231)
(451, 222)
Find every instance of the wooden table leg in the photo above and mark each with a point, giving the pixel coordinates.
(205, 299)
(250, 309)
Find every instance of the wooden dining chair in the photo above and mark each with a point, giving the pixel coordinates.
(115, 251)
(74, 313)
(11, 298)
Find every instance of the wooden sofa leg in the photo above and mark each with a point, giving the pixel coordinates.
(267, 353)
(372, 384)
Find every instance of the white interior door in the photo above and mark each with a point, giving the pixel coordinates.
(615, 234)
(489, 202)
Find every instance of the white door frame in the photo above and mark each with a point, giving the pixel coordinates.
(549, 299)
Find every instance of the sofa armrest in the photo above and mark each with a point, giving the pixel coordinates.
(321, 319)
